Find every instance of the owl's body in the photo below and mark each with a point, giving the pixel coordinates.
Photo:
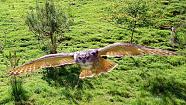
(91, 61)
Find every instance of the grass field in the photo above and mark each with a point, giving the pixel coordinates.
(147, 80)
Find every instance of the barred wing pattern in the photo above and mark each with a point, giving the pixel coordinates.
(124, 49)
(51, 60)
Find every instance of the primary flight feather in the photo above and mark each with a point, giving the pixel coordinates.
(91, 61)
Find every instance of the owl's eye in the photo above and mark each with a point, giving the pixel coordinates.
(93, 53)
(79, 58)
(88, 57)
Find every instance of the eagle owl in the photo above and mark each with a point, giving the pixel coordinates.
(92, 61)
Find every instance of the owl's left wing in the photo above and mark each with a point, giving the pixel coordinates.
(51, 60)
(124, 49)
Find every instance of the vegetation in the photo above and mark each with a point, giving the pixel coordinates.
(48, 23)
(148, 80)
(1, 48)
(17, 92)
(133, 15)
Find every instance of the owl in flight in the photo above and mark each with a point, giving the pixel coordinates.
(92, 61)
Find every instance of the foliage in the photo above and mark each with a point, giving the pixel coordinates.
(12, 59)
(1, 48)
(171, 14)
(151, 80)
(18, 93)
(48, 23)
(3, 43)
(132, 14)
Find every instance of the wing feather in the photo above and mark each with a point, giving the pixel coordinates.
(51, 60)
(103, 66)
(124, 49)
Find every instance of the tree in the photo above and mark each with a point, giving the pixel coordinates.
(132, 15)
(48, 24)
(137, 15)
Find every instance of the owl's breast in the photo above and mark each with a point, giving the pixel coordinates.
(87, 65)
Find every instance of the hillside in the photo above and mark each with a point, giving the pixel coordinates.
(137, 80)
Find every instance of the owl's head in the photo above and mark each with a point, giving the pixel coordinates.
(86, 56)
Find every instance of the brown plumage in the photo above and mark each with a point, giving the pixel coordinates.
(91, 61)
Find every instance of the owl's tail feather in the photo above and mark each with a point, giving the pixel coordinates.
(104, 66)
(86, 73)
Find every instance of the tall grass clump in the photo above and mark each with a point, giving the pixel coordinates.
(17, 92)
(1, 47)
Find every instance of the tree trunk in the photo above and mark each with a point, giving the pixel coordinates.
(51, 72)
(133, 28)
(53, 48)
(131, 38)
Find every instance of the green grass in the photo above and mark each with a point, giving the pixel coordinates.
(148, 80)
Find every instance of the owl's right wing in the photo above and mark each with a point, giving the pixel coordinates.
(124, 49)
(51, 60)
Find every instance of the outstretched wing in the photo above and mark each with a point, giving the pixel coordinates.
(122, 49)
(51, 60)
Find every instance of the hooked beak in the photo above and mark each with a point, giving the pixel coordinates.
(83, 61)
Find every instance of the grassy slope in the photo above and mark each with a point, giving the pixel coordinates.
(149, 79)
